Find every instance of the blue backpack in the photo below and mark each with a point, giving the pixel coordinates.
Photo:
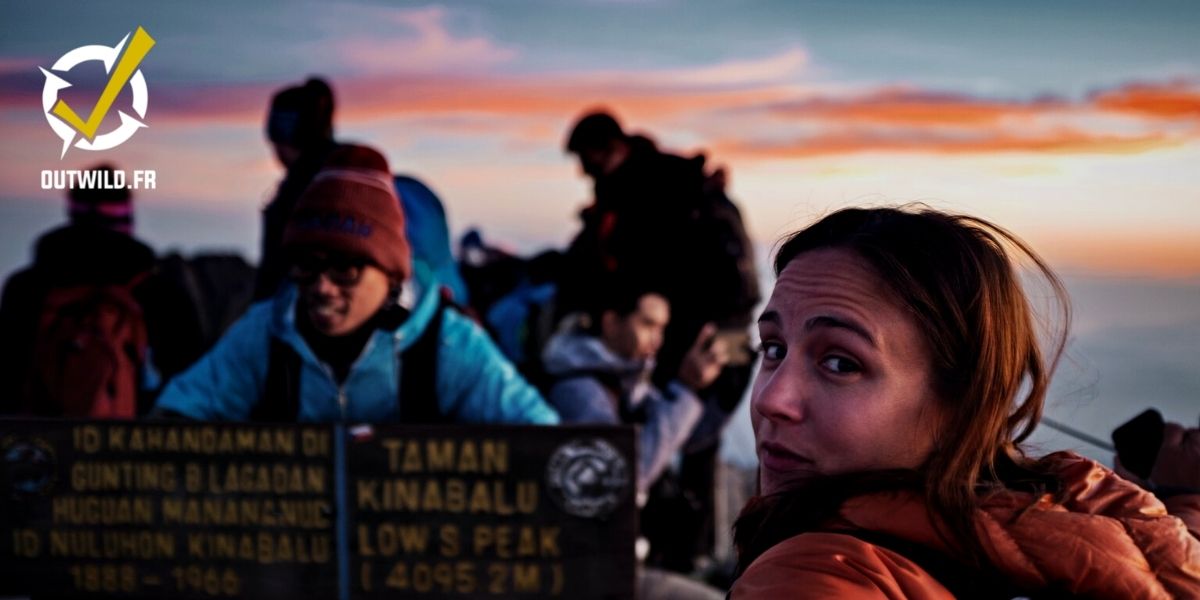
(429, 235)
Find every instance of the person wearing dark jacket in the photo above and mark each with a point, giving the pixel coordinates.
(601, 374)
(601, 370)
(93, 251)
(300, 131)
(636, 227)
(665, 218)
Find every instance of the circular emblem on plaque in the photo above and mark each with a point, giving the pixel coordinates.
(27, 467)
(587, 478)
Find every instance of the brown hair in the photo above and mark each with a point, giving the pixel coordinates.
(956, 276)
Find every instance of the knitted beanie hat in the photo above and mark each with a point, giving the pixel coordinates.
(351, 207)
(101, 207)
(302, 116)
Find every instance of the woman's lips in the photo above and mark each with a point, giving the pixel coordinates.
(323, 316)
(781, 460)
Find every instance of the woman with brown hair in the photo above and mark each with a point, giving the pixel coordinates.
(901, 369)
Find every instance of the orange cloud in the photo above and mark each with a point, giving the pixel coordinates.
(749, 108)
(913, 107)
(376, 98)
(1062, 141)
(1171, 101)
(1163, 255)
(902, 106)
(902, 120)
(535, 107)
(531, 97)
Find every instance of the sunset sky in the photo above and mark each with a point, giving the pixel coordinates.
(1074, 124)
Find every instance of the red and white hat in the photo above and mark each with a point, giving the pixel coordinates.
(351, 207)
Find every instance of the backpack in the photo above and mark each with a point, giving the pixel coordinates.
(428, 233)
(520, 323)
(87, 358)
(217, 287)
(726, 255)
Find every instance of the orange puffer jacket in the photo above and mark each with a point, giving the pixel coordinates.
(1105, 538)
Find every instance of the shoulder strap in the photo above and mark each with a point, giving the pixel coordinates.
(418, 398)
(280, 401)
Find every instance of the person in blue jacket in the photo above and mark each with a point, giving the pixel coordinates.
(601, 366)
(600, 372)
(353, 339)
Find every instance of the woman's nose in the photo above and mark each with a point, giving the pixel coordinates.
(779, 394)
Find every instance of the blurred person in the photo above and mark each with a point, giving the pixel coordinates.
(601, 372)
(299, 129)
(358, 337)
(658, 217)
(1174, 475)
(600, 369)
(901, 370)
(84, 326)
(665, 218)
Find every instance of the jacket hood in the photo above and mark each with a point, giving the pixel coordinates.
(577, 352)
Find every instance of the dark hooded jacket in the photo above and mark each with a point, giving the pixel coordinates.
(641, 229)
(272, 265)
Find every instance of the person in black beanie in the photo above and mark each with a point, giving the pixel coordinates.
(661, 217)
(78, 269)
(300, 130)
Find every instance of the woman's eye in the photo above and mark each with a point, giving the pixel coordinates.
(773, 351)
(840, 365)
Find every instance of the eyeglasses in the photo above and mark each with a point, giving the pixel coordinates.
(342, 271)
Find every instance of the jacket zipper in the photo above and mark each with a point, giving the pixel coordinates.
(341, 389)
(342, 400)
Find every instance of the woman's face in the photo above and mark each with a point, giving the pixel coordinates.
(340, 293)
(845, 384)
(638, 335)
